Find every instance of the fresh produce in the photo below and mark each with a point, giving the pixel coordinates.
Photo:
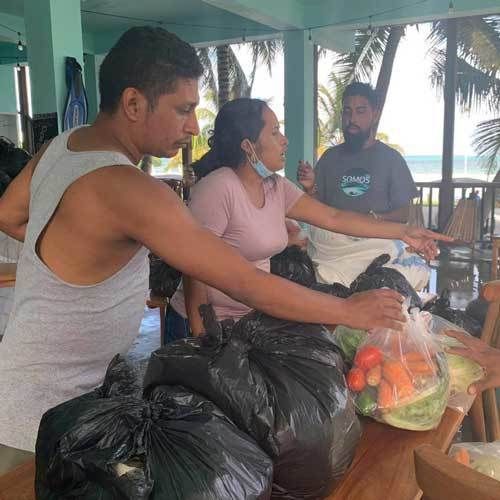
(400, 378)
(482, 457)
(463, 371)
(349, 339)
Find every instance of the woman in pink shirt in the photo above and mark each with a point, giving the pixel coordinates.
(242, 200)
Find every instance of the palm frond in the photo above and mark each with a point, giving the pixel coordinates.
(368, 52)
(205, 55)
(486, 142)
(474, 87)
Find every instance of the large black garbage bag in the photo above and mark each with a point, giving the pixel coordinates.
(477, 310)
(163, 278)
(280, 382)
(295, 265)
(335, 289)
(377, 276)
(12, 161)
(174, 445)
(441, 307)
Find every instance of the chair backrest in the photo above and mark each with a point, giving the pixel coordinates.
(442, 478)
(484, 412)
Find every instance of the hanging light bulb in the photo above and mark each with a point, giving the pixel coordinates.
(19, 43)
(370, 27)
(451, 7)
(310, 35)
(244, 37)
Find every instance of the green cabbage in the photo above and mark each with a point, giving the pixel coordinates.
(349, 339)
(425, 411)
(463, 372)
(486, 464)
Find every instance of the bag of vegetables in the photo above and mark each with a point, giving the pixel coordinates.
(401, 378)
(482, 457)
(463, 371)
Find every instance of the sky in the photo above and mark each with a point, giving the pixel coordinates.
(413, 112)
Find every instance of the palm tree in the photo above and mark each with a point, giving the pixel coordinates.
(478, 76)
(371, 48)
(478, 64)
(225, 78)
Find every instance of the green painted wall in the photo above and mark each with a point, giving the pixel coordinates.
(299, 99)
(54, 32)
(8, 90)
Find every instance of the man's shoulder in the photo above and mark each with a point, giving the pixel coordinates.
(388, 151)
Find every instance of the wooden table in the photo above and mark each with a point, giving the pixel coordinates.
(7, 275)
(18, 484)
(382, 469)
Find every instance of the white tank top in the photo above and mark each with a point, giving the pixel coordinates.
(60, 337)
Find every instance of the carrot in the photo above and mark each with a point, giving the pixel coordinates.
(421, 368)
(386, 397)
(462, 456)
(396, 374)
(414, 356)
(374, 375)
(395, 345)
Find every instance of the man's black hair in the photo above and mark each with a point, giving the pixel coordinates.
(148, 59)
(363, 90)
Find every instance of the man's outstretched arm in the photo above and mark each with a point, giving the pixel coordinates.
(149, 212)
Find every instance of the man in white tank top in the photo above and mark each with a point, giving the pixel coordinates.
(87, 216)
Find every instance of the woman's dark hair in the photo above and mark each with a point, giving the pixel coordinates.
(237, 120)
(149, 59)
(12, 161)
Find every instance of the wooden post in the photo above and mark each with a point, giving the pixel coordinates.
(446, 196)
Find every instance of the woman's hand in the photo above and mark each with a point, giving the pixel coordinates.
(483, 354)
(422, 241)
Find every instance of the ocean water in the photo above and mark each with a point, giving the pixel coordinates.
(427, 168)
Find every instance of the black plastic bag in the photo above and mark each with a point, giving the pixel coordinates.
(477, 310)
(280, 382)
(335, 289)
(174, 445)
(441, 307)
(377, 276)
(295, 265)
(163, 278)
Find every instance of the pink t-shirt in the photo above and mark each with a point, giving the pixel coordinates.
(220, 203)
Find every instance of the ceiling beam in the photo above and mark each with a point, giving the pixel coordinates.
(277, 14)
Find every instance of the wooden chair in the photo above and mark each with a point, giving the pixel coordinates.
(442, 478)
(161, 302)
(484, 411)
(495, 248)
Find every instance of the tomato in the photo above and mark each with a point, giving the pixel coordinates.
(368, 357)
(356, 379)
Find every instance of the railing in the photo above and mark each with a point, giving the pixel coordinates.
(484, 192)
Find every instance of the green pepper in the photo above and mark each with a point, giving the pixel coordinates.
(366, 402)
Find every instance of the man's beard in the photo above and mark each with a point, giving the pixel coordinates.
(355, 142)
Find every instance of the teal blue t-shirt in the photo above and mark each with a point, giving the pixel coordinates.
(376, 178)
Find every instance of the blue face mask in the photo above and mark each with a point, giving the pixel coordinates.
(262, 170)
(259, 167)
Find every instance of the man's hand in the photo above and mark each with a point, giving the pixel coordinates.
(483, 354)
(305, 176)
(375, 309)
(295, 237)
(422, 241)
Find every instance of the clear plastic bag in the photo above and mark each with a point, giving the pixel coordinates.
(463, 371)
(401, 378)
(482, 457)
